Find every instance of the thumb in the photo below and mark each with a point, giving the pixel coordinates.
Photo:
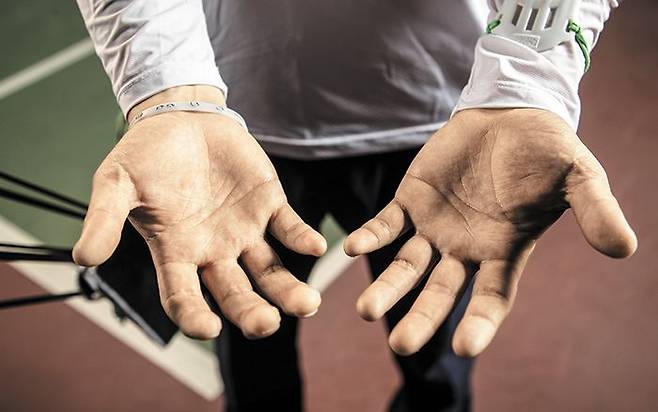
(110, 203)
(597, 211)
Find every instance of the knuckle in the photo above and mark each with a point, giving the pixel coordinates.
(489, 317)
(235, 292)
(379, 227)
(585, 170)
(382, 225)
(441, 288)
(178, 301)
(405, 264)
(109, 172)
(268, 181)
(385, 281)
(270, 270)
(296, 231)
(422, 314)
(499, 293)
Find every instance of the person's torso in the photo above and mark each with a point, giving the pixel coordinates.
(308, 69)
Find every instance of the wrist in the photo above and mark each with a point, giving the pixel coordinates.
(203, 93)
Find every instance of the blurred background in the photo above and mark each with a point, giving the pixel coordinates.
(582, 337)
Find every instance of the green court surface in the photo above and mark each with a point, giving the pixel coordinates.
(33, 30)
(55, 131)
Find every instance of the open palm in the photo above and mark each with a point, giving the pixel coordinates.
(478, 195)
(202, 193)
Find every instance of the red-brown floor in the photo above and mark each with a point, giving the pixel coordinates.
(54, 359)
(583, 335)
(346, 360)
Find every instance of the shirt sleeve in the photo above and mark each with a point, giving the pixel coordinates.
(508, 74)
(147, 46)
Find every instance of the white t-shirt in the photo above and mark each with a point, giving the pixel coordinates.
(329, 78)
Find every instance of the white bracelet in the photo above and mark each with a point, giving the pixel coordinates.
(192, 106)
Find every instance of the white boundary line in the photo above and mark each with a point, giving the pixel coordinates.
(189, 363)
(44, 68)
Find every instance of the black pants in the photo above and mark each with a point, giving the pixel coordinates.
(264, 374)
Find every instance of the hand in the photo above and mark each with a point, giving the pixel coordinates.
(479, 194)
(202, 193)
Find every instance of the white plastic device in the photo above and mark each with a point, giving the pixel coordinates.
(539, 24)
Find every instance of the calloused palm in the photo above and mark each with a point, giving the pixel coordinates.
(479, 194)
(202, 193)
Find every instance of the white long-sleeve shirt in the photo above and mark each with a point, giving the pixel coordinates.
(317, 78)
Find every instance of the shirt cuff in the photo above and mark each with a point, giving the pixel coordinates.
(164, 77)
(508, 74)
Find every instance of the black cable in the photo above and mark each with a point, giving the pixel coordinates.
(46, 249)
(35, 257)
(40, 189)
(12, 251)
(31, 300)
(18, 197)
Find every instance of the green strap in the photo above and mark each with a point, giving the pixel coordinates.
(580, 40)
(492, 25)
(571, 27)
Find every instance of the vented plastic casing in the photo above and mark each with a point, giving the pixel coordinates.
(539, 24)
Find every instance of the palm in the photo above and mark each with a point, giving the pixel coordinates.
(497, 194)
(480, 193)
(202, 194)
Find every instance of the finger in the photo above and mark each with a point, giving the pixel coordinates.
(231, 289)
(290, 229)
(600, 218)
(180, 294)
(397, 280)
(280, 286)
(110, 203)
(494, 291)
(431, 308)
(379, 231)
